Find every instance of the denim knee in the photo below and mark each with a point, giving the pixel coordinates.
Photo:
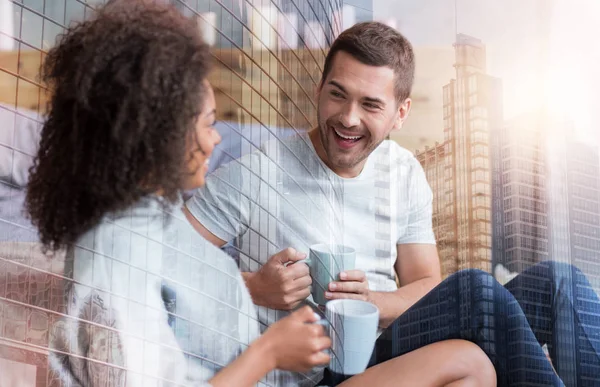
(560, 271)
(556, 266)
(476, 275)
(561, 267)
(480, 284)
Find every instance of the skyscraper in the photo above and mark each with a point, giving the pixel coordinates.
(546, 196)
(546, 206)
(472, 107)
(520, 206)
(434, 164)
(574, 216)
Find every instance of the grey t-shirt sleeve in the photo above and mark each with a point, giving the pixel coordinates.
(225, 204)
(419, 227)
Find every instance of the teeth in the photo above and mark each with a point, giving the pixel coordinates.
(347, 137)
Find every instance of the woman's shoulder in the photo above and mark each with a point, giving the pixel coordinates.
(154, 238)
(194, 244)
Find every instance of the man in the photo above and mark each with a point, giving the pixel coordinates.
(344, 183)
(369, 106)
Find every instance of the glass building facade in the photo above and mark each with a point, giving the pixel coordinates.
(268, 61)
(510, 194)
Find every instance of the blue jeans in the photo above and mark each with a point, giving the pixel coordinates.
(550, 303)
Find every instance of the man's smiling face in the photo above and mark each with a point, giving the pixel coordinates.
(357, 109)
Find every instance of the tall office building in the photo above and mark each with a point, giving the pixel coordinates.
(520, 205)
(472, 107)
(433, 161)
(574, 216)
(546, 206)
(520, 208)
(573, 189)
(546, 196)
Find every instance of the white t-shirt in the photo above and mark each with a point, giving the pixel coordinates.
(285, 196)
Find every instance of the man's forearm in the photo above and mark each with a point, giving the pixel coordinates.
(247, 277)
(392, 304)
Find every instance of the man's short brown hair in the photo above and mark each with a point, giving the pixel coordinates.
(376, 44)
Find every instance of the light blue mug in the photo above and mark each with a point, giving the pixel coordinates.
(326, 262)
(353, 331)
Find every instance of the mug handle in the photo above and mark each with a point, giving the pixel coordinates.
(305, 260)
(325, 324)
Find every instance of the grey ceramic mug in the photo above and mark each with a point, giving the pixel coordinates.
(353, 331)
(326, 262)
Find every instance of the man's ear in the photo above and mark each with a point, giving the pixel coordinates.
(403, 111)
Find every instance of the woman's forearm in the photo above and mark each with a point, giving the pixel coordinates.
(252, 365)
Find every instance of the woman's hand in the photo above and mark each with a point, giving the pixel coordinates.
(295, 343)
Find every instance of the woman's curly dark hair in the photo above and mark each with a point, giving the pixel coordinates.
(126, 90)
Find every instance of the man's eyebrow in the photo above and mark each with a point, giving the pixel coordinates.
(368, 99)
(334, 83)
(375, 100)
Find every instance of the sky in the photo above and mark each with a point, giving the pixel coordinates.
(545, 51)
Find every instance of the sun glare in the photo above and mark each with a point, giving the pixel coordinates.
(571, 77)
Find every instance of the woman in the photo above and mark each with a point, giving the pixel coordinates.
(129, 128)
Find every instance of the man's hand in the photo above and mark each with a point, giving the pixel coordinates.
(353, 284)
(281, 283)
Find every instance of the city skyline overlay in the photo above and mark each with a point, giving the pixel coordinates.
(508, 192)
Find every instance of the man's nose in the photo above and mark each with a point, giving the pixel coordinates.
(349, 116)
